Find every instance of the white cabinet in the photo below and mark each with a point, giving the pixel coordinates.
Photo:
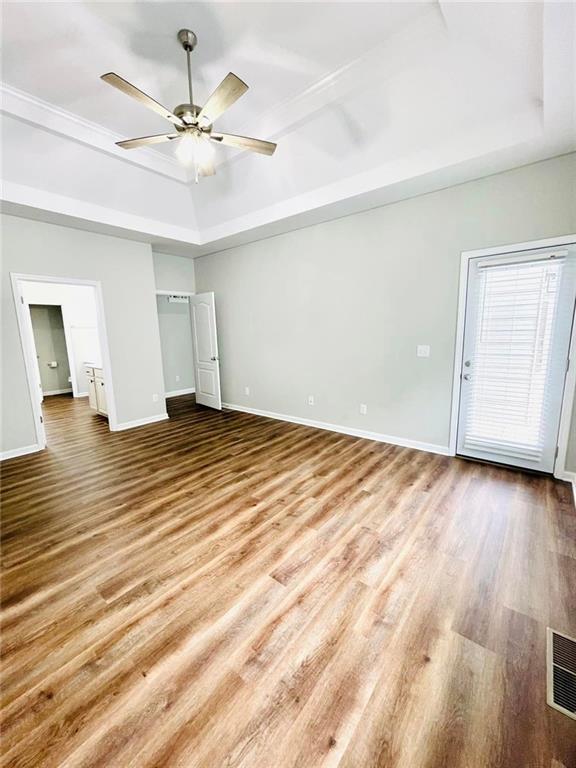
(96, 389)
(100, 394)
(92, 393)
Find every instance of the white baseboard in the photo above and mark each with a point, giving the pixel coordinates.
(12, 454)
(139, 422)
(444, 450)
(564, 474)
(178, 392)
(57, 392)
(570, 477)
(82, 394)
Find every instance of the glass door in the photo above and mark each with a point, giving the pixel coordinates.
(519, 314)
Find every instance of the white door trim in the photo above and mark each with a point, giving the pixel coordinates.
(25, 329)
(175, 293)
(570, 382)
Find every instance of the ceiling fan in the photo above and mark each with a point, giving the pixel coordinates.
(193, 124)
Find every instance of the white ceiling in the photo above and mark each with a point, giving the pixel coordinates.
(56, 51)
(368, 102)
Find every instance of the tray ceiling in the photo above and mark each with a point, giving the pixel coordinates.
(368, 102)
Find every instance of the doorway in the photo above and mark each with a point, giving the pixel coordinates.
(51, 350)
(512, 388)
(175, 326)
(189, 344)
(63, 335)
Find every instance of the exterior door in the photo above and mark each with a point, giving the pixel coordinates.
(519, 314)
(205, 349)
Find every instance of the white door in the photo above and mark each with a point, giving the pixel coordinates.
(205, 349)
(519, 313)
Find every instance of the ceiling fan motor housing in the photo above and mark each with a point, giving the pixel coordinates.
(188, 113)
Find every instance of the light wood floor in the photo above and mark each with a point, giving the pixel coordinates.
(226, 590)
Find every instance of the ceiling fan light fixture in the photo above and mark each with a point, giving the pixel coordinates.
(185, 150)
(195, 150)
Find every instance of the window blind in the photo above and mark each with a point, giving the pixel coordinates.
(513, 360)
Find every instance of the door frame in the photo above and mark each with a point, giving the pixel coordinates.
(570, 381)
(28, 349)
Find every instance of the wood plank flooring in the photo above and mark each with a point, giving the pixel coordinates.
(226, 590)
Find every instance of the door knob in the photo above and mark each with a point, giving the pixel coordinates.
(213, 358)
(466, 377)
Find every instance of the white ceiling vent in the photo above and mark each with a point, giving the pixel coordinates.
(176, 299)
(561, 672)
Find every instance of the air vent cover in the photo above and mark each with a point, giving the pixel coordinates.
(561, 668)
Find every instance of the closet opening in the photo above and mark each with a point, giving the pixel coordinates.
(189, 344)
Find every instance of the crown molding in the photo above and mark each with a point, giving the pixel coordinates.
(452, 162)
(18, 198)
(23, 106)
(424, 32)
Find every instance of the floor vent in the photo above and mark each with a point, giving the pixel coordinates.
(561, 667)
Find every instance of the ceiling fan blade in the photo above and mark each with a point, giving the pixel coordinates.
(229, 91)
(145, 140)
(130, 90)
(244, 142)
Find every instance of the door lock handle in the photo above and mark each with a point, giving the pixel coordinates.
(213, 359)
(466, 376)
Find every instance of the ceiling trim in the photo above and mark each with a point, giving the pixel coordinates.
(20, 195)
(23, 106)
(28, 202)
(526, 123)
(382, 60)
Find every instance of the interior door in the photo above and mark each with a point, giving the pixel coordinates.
(519, 314)
(205, 349)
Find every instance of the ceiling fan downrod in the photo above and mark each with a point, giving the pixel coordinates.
(188, 41)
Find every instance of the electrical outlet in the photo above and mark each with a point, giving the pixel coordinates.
(310, 399)
(363, 409)
(155, 397)
(177, 377)
(247, 391)
(423, 350)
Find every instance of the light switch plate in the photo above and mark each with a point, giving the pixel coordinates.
(310, 399)
(423, 350)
